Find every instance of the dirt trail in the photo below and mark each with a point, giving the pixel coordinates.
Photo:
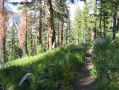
(83, 78)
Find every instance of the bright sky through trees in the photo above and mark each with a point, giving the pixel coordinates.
(19, 0)
(73, 9)
(57, 44)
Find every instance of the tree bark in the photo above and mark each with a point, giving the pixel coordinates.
(94, 16)
(51, 31)
(26, 49)
(22, 34)
(100, 25)
(62, 33)
(40, 23)
(58, 32)
(94, 34)
(104, 27)
(114, 24)
(3, 16)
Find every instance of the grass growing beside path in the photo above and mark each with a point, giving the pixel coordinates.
(52, 70)
(106, 64)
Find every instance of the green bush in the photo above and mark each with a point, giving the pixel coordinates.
(106, 63)
(40, 49)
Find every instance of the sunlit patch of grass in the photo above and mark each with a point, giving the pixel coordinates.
(51, 70)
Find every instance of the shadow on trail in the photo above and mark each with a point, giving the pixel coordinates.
(83, 78)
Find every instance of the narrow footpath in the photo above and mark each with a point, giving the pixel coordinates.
(83, 78)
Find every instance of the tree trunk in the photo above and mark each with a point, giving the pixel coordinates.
(4, 49)
(94, 34)
(68, 32)
(58, 33)
(62, 33)
(26, 49)
(22, 34)
(69, 38)
(40, 23)
(117, 24)
(51, 31)
(100, 25)
(3, 18)
(94, 28)
(104, 27)
(114, 24)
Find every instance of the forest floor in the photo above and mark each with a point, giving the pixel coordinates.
(83, 78)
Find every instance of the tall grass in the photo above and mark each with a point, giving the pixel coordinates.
(52, 70)
(106, 64)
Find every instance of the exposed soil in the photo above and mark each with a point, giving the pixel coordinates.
(83, 78)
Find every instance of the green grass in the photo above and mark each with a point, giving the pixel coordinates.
(51, 70)
(106, 64)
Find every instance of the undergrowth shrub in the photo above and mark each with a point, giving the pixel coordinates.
(52, 70)
(40, 49)
(106, 61)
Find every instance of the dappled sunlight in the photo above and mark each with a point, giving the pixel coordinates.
(59, 44)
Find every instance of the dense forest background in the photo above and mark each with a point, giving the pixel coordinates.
(43, 25)
(43, 28)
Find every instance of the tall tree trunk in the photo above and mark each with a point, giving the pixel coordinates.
(4, 40)
(94, 28)
(26, 49)
(117, 24)
(3, 16)
(58, 33)
(4, 49)
(94, 34)
(40, 23)
(51, 31)
(22, 35)
(94, 7)
(67, 36)
(62, 33)
(114, 24)
(100, 25)
(104, 27)
(69, 33)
